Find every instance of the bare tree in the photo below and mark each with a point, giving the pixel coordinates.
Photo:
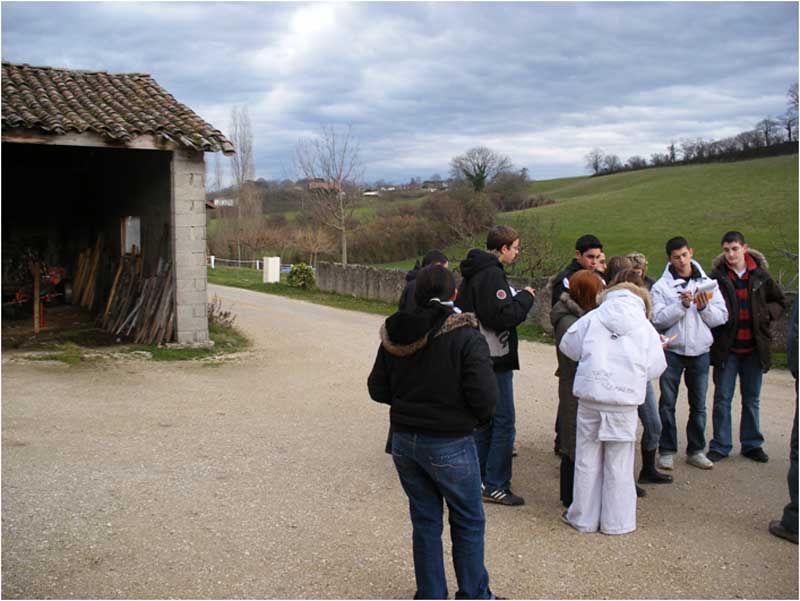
(479, 166)
(793, 97)
(636, 162)
(611, 163)
(314, 240)
(332, 165)
(768, 128)
(672, 152)
(594, 161)
(241, 136)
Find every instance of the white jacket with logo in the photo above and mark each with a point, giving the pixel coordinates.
(617, 349)
(691, 328)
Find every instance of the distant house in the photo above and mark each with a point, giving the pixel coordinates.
(321, 184)
(87, 154)
(433, 185)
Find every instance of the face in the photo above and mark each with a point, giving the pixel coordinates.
(508, 254)
(681, 260)
(590, 258)
(734, 252)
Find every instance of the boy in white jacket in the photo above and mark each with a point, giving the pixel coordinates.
(687, 304)
(618, 351)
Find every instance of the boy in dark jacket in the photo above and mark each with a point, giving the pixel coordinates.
(432, 257)
(588, 252)
(500, 309)
(433, 368)
(742, 345)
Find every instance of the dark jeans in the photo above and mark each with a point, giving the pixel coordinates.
(695, 373)
(789, 520)
(496, 467)
(651, 420)
(432, 469)
(747, 368)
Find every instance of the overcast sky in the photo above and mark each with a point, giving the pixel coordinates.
(422, 82)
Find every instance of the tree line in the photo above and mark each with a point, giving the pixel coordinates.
(770, 136)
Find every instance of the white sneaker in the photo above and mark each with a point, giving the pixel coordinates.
(700, 460)
(665, 461)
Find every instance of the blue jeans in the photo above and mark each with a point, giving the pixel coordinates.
(496, 467)
(695, 374)
(748, 369)
(651, 420)
(431, 469)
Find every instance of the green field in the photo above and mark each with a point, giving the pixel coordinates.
(641, 210)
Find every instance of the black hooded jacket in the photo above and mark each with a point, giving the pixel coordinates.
(485, 292)
(407, 302)
(433, 368)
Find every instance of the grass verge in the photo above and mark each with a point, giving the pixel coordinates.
(226, 340)
(251, 280)
(68, 353)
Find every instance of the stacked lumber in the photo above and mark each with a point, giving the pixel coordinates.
(84, 285)
(138, 307)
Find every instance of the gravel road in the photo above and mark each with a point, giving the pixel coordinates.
(263, 476)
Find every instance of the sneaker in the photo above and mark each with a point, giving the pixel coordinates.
(776, 528)
(757, 455)
(699, 460)
(665, 461)
(502, 497)
(640, 492)
(715, 456)
(515, 449)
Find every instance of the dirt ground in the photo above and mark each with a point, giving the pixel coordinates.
(264, 476)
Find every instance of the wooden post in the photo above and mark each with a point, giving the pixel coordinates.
(36, 284)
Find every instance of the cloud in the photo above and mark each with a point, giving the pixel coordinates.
(422, 82)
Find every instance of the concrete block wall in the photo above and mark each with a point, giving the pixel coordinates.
(189, 246)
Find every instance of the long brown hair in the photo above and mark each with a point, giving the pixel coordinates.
(584, 286)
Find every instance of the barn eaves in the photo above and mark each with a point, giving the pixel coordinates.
(120, 109)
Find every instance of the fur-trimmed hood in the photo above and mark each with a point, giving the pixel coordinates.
(452, 322)
(642, 293)
(761, 261)
(565, 306)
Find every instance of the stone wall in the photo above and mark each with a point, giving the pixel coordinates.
(386, 285)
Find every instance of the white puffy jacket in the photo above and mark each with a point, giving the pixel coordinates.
(617, 349)
(691, 328)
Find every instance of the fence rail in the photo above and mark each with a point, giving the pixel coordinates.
(257, 264)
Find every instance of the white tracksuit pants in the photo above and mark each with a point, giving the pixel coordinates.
(604, 493)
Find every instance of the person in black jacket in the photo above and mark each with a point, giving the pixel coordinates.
(432, 257)
(588, 251)
(433, 369)
(500, 309)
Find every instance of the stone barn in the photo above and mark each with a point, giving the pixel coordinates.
(111, 161)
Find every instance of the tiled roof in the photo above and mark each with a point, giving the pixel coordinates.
(117, 107)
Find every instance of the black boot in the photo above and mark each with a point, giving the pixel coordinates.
(567, 480)
(649, 474)
(640, 492)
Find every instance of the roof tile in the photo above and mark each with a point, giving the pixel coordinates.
(117, 107)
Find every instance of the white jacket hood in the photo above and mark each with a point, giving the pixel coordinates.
(616, 348)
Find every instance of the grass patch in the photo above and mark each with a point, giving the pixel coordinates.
(779, 360)
(250, 279)
(534, 333)
(68, 353)
(226, 340)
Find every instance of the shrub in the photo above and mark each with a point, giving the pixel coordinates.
(301, 276)
(217, 316)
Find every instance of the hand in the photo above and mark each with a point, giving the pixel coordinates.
(686, 298)
(531, 291)
(701, 300)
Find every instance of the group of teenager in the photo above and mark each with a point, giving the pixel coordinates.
(446, 361)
